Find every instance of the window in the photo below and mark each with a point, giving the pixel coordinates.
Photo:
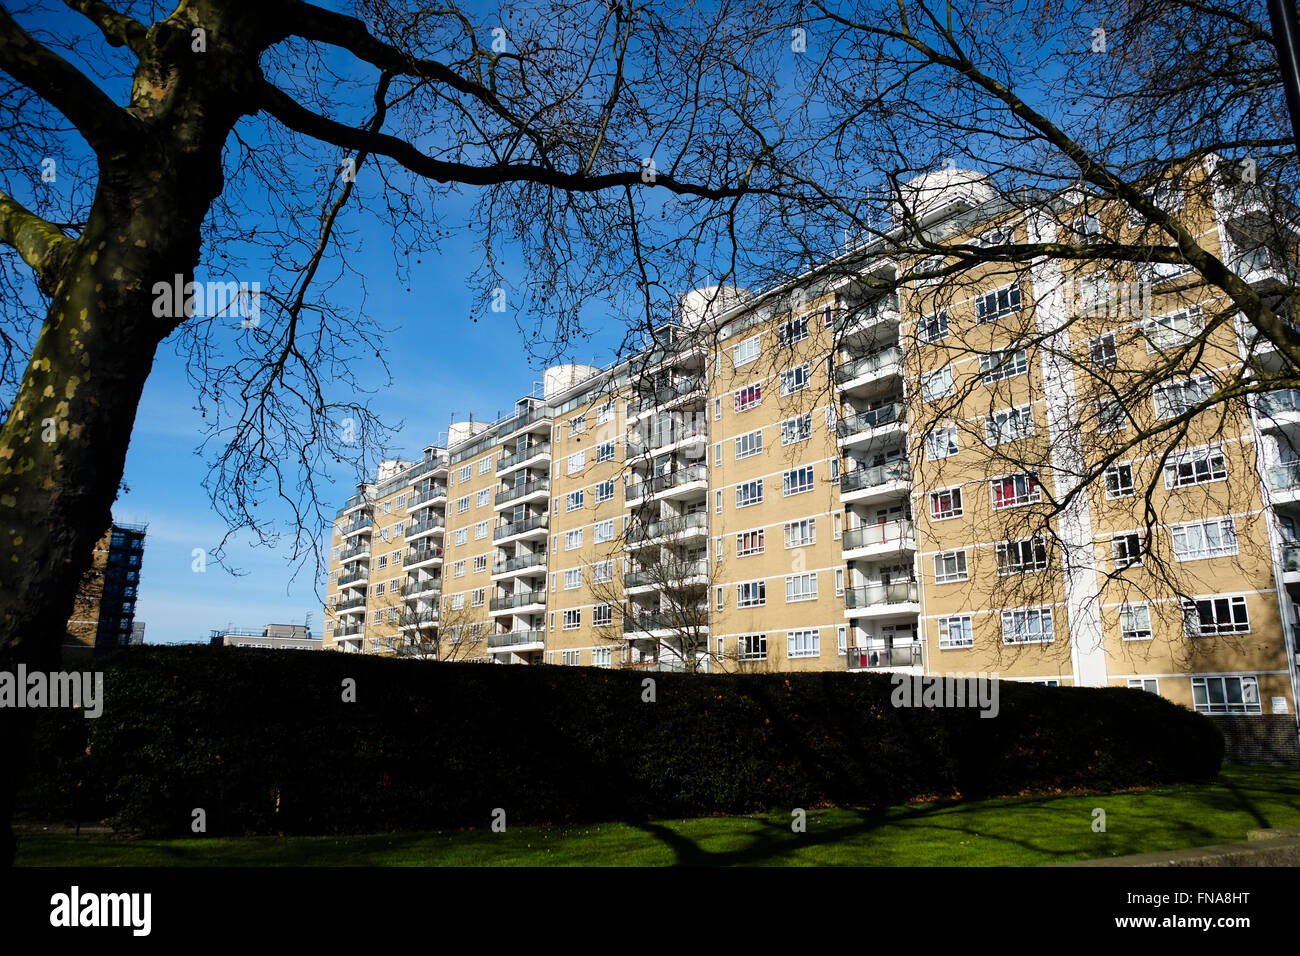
(751, 647)
(936, 385)
(1011, 424)
(604, 531)
(997, 236)
(1015, 490)
(719, 595)
(803, 643)
(462, 536)
(605, 451)
(945, 503)
(577, 425)
(1085, 229)
(571, 621)
(717, 501)
(572, 579)
(1226, 695)
(480, 563)
(994, 305)
(605, 413)
(749, 542)
(462, 505)
(751, 594)
(941, 443)
(995, 366)
(932, 328)
(1204, 539)
(1027, 626)
(1103, 351)
(1179, 397)
(379, 589)
(476, 597)
(485, 465)
(950, 566)
(1119, 481)
(458, 601)
(801, 534)
(1172, 330)
(748, 397)
(401, 501)
(749, 493)
(605, 490)
(794, 380)
(464, 474)
(749, 444)
(717, 548)
(797, 481)
(573, 500)
(956, 631)
(842, 640)
(1126, 549)
(930, 264)
(1196, 466)
(383, 534)
(388, 507)
(602, 572)
(796, 330)
(1021, 556)
(745, 352)
(717, 454)
(801, 587)
(481, 530)
(573, 539)
(1221, 614)
(717, 409)
(577, 462)
(1111, 416)
(458, 569)
(796, 429)
(839, 582)
(602, 615)
(1135, 622)
(383, 560)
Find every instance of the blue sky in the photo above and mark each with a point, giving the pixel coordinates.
(446, 364)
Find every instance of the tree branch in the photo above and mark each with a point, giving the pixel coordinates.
(40, 243)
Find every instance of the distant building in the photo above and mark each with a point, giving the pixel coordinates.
(285, 636)
(103, 617)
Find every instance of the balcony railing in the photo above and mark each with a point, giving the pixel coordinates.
(520, 527)
(532, 451)
(653, 486)
(877, 595)
(350, 603)
(360, 574)
(353, 631)
(435, 491)
(899, 655)
(517, 600)
(866, 421)
(524, 561)
(668, 526)
(416, 555)
(514, 638)
(359, 524)
(524, 419)
(860, 479)
(347, 554)
(669, 574)
(871, 534)
(526, 488)
(664, 394)
(1280, 402)
(1291, 557)
(681, 623)
(424, 467)
(433, 586)
(422, 526)
(355, 500)
(1285, 477)
(886, 305)
(868, 364)
(1259, 259)
(417, 618)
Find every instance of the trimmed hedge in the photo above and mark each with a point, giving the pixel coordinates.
(264, 743)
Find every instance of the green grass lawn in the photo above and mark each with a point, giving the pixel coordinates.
(1023, 831)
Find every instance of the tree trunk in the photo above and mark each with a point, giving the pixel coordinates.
(63, 446)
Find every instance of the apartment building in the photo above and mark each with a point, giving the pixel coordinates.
(103, 616)
(865, 471)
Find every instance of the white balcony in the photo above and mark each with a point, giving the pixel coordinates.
(889, 539)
